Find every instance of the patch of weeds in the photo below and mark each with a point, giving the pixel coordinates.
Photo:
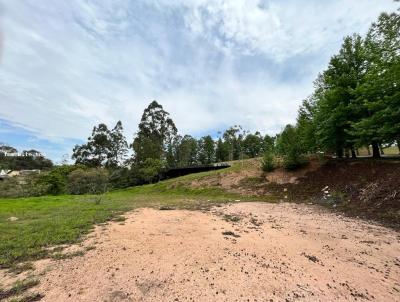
(232, 218)
(251, 181)
(166, 208)
(255, 221)
(230, 233)
(338, 197)
(18, 288)
(311, 257)
(21, 267)
(118, 219)
(29, 298)
(90, 247)
(58, 249)
(61, 256)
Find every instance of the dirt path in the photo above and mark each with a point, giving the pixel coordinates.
(281, 252)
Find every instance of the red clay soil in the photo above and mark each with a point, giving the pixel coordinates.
(366, 188)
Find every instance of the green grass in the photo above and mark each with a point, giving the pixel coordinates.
(392, 150)
(48, 221)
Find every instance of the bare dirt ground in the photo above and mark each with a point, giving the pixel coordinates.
(237, 252)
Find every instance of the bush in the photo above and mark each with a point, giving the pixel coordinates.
(91, 181)
(290, 147)
(268, 162)
(56, 179)
(150, 170)
(22, 186)
(293, 160)
(121, 178)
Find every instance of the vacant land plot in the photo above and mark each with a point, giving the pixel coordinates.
(236, 252)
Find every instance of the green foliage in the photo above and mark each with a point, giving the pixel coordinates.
(206, 150)
(306, 126)
(268, 162)
(150, 170)
(253, 145)
(289, 146)
(379, 95)
(357, 98)
(105, 148)
(233, 138)
(56, 179)
(23, 186)
(222, 151)
(156, 133)
(187, 152)
(90, 181)
(24, 162)
(337, 107)
(268, 144)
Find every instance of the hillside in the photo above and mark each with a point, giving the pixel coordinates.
(363, 188)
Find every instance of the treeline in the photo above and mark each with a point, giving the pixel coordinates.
(158, 146)
(26, 160)
(356, 101)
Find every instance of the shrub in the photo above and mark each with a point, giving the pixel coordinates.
(293, 160)
(268, 162)
(91, 181)
(56, 179)
(25, 186)
(150, 170)
(290, 147)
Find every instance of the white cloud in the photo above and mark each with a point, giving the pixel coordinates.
(276, 28)
(212, 63)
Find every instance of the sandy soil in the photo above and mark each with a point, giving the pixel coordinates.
(275, 252)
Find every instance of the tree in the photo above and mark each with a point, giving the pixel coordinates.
(233, 137)
(118, 147)
(105, 148)
(306, 126)
(379, 95)
(268, 143)
(206, 150)
(156, 132)
(187, 151)
(253, 145)
(337, 107)
(150, 170)
(289, 146)
(222, 151)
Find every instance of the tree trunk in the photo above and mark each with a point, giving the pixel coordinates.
(375, 150)
(368, 150)
(339, 153)
(357, 152)
(353, 153)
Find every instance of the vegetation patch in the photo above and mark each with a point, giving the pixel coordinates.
(232, 218)
(18, 288)
(62, 256)
(28, 298)
(230, 233)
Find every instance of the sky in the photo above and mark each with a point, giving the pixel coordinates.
(66, 66)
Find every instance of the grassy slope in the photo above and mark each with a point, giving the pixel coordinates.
(52, 220)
